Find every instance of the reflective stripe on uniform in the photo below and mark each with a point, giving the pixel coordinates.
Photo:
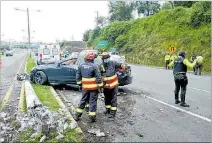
(79, 110)
(113, 108)
(101, 84)
(111, 82)
(79, 82)
(103, 68)
(109, 78)
(92, 113)
(108, 106)
(89, 79)
(89, 83)
(87, 105)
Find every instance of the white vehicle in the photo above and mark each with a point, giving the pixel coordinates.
(48, 54)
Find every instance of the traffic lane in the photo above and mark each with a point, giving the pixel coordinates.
(159, 123)
(139, 115)
(156, 74)
(157, 82)
(8, 72)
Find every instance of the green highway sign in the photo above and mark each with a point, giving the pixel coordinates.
(103, 44)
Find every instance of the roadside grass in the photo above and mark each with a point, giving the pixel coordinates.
(47, 99)
(45, 96)
(43, 92)
(70, 135)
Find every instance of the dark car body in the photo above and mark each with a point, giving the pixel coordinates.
(63, 74)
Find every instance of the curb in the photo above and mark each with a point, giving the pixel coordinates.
(62, 105)
(22, 95)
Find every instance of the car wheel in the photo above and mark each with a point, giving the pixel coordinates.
(40, 78)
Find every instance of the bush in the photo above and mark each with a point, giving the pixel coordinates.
(146, 40)
(201, 13)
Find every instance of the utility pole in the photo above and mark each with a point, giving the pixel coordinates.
(97, 18)
(28, 24)
(28, 31)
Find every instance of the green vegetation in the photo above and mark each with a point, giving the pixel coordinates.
(70, 135)
(30, 64)
(146, 40)
(45, 96)
(43, 92)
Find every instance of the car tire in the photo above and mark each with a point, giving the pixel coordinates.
(40, 78)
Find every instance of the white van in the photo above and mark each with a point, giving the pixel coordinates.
(48, 54)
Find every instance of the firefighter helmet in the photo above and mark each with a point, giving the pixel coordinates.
(89, 56)
(105, 55)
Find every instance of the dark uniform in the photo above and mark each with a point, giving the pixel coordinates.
(88, 75)
(110, 78)
(180, 78)
(192, 60)
(167, 61)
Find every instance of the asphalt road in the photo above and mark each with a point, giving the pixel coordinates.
(147, 109)
(10, 87)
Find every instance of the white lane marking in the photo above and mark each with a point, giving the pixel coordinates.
(177, 108)
(200, 89)
(183, 110)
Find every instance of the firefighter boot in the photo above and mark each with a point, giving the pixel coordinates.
(92, 119)
(107, 111)
(77, 116)
(112, 114)
(87, 109)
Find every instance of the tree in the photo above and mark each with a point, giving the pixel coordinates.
(147, 7)
(86, 35)
(184, 3)
(101, 21)
(120, 11)
(167, 5)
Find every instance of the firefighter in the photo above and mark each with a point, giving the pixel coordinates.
(199, 65)
(192, 60)
(180, 78)
(89, 79)
(167, 60)
(67, 54)
(108, 71)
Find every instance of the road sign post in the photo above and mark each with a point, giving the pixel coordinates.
(172, 49)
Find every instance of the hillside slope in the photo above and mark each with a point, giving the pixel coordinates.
(146, 40)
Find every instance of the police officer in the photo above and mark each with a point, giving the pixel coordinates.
(89, 77)
(167, 60)
(180, 78)
(199, 65)
(173, 57)
(192, 60)
(110, 78)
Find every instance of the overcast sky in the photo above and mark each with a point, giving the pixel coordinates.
(57, 19)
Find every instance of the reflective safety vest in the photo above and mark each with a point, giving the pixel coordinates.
(90, 84)
(200, 60)
(111, 82)
(167, 57)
